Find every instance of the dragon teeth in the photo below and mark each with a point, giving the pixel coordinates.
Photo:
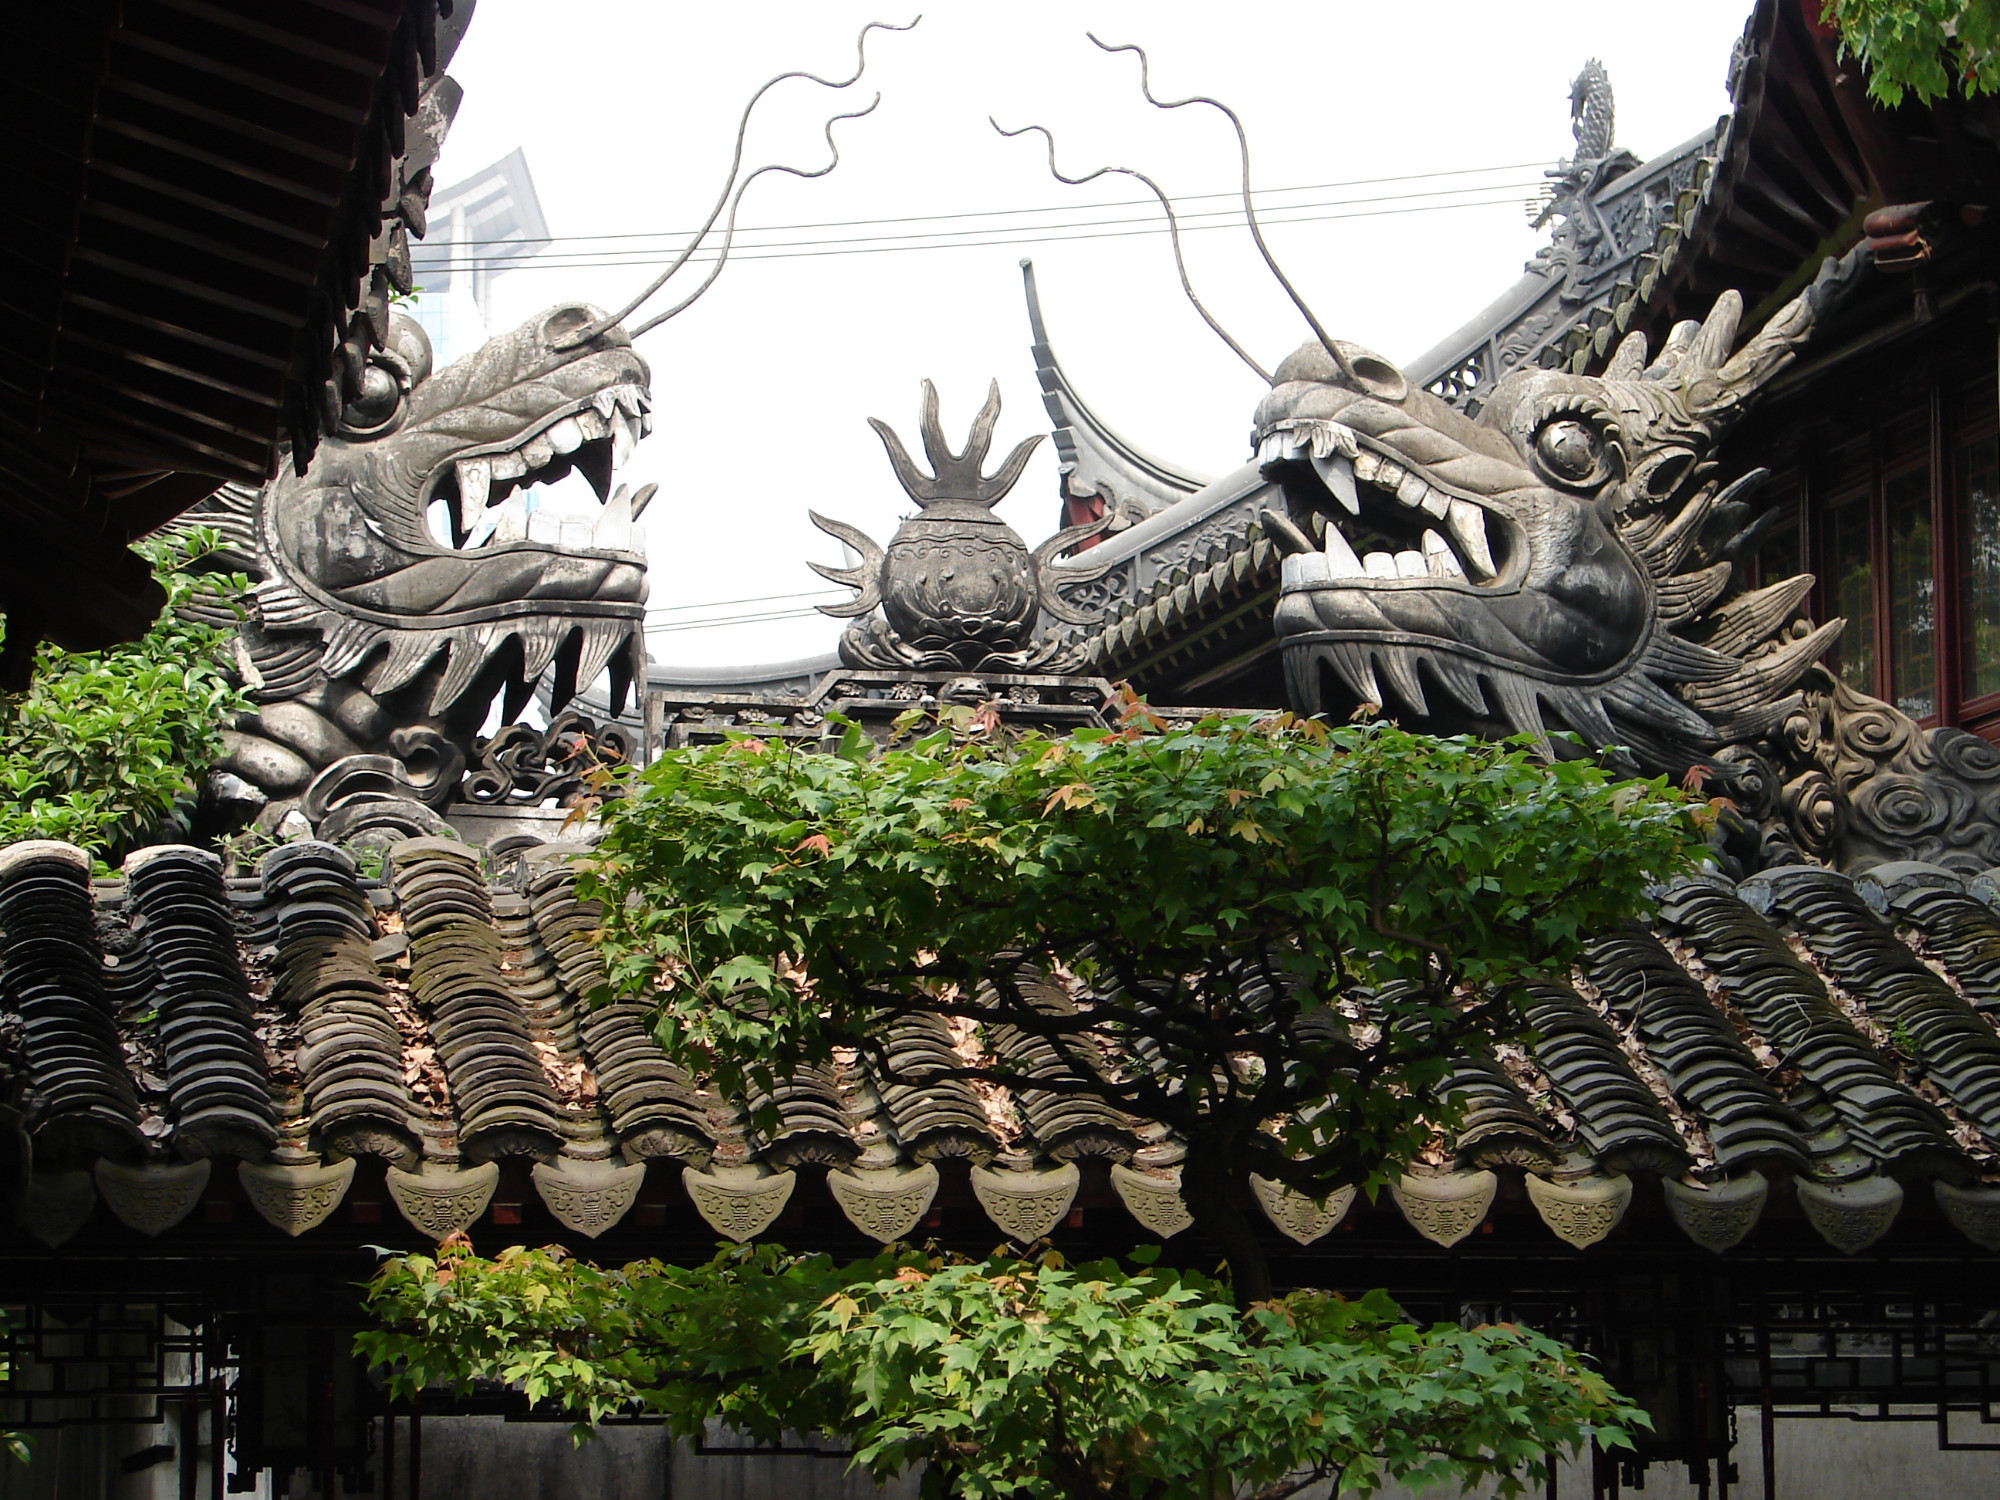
(1467, 523)
(624, 438)
(538, 452)
(1298, 570)
(613, 531)
(575, 526)
(1411, 492)
(628, 400)
(1439, 560)
(505, 522)
(565, 436)
(604, 403)
(1337, 474)
(1341, 561)
(1331, 437)
(544, 525)
(642, 499)
(1436, 503)
(510, 523)
(509, 466)
(591, 425)
(1412, 565)
(475, 483)
(1379, 565)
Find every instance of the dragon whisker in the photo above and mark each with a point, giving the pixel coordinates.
(1173, 230)
(1249, 211)
(731, 192)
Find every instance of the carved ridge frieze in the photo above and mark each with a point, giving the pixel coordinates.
(1974, 1211)
(1719, 1216)
(55, 1205)
(588, 1198)
(151, 1198)
(1154, 1200)
(1581, 1212)
(1851, 1216)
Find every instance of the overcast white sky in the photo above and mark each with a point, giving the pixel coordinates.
(626, 110)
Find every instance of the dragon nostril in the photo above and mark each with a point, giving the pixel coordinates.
(1381, 378)
(1374, 374)
(566, 322)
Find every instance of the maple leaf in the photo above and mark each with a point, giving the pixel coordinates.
(1074, 794)
(819, 843)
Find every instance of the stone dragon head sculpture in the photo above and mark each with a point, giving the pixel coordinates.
(402, 582)
(404, 579)
(1558, 558)
(1564, 560)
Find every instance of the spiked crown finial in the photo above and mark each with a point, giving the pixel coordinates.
(956, 476)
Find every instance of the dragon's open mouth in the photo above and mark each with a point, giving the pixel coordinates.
(1379, 518)
(483, 498)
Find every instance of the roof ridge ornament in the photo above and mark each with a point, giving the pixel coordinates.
(956, 588)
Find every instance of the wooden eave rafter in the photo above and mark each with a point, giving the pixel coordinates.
(194, 188)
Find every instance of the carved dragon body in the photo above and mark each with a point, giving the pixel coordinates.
(1566, 557)
(402, 582)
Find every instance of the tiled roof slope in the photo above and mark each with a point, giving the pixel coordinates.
(169, 1024)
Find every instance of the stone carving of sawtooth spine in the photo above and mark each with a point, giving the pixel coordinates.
(1566, 556)
(402, 583)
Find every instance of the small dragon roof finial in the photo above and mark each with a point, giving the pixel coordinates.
(1591, 112)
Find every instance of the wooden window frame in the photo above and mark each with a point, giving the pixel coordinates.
(1982, 714)
(1953, 425)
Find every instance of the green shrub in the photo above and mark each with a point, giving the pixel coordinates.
(107, 746)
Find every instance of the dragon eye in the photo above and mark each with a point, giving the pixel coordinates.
(381, 395)
(1570, 451)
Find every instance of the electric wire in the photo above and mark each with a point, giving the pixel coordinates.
(870, 247)
(661, 609)
(996, 213)
(723, 623)
(672, 618)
